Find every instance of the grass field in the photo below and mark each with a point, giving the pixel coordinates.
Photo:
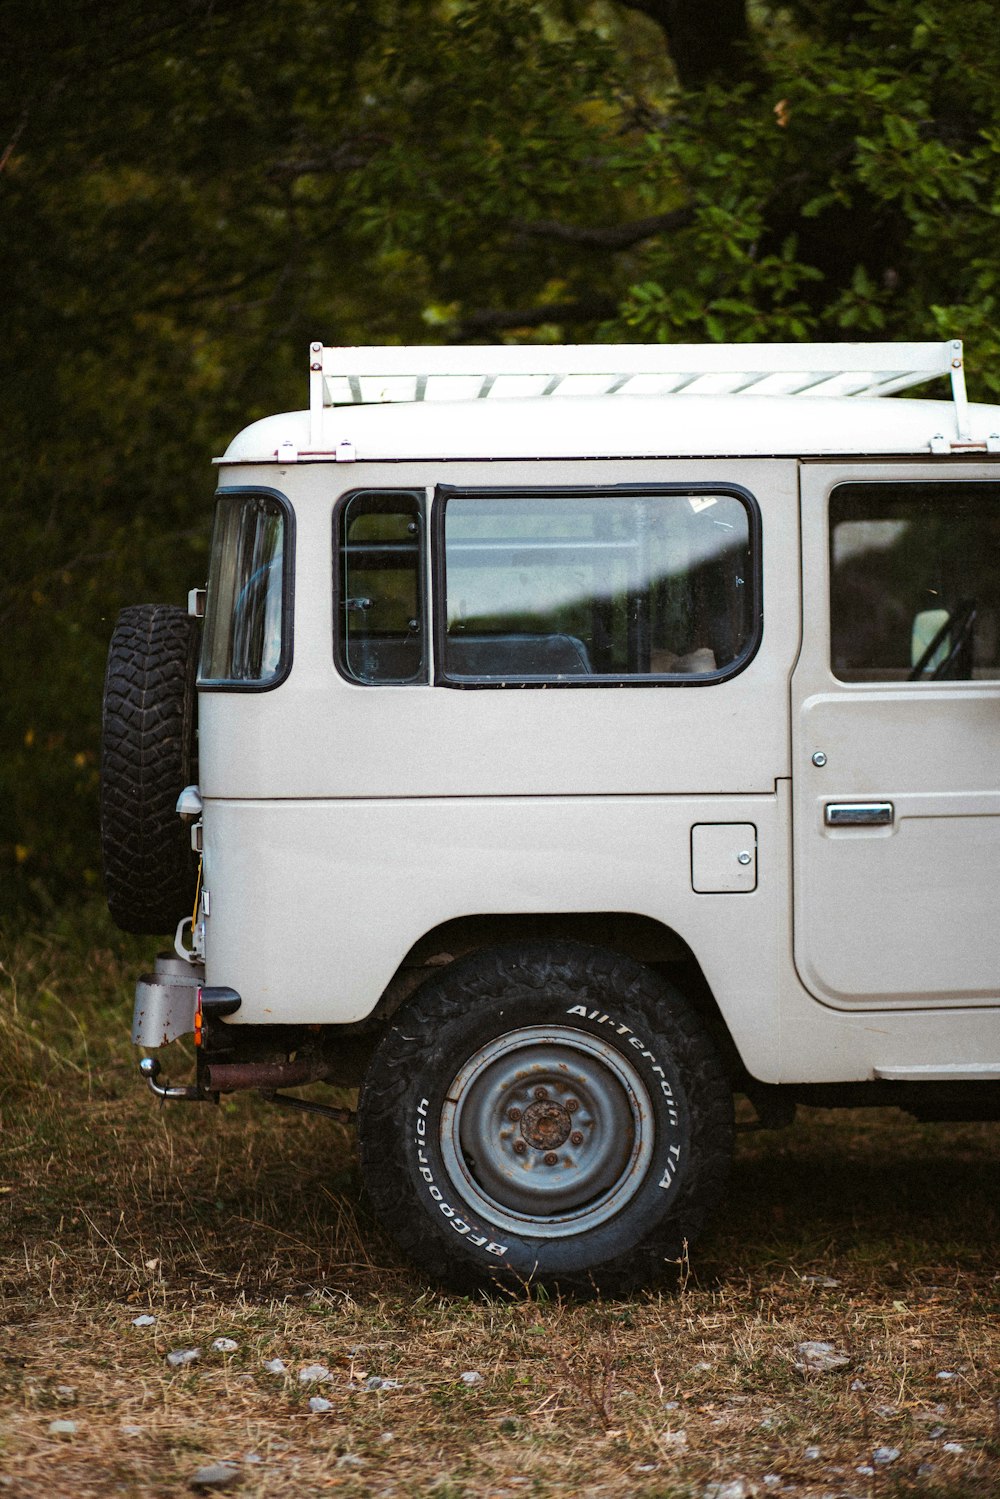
(863, 1230)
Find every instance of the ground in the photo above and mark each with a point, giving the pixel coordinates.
(861, 1230)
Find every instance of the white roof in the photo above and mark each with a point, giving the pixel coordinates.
(632, 400)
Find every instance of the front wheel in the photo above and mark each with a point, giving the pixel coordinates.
(547, 1112)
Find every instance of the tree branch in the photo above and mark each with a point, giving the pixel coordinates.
(496, 319)
(609, 237)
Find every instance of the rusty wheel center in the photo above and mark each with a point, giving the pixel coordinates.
(546, 1125)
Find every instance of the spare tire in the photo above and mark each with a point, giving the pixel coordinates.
(148, 756)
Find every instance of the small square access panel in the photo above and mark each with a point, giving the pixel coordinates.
(723, 858)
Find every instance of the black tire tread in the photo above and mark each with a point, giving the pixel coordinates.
(642, 997)
(147, 757)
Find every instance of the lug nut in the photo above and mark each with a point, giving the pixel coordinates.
(513, 1115)
(541, 1093)
(576, 1138)
(519, 1147)
(571, 1105)
(551, 1159)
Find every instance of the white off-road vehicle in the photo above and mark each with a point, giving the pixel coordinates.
(576, 737)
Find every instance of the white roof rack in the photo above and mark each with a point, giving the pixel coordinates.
(372, 375)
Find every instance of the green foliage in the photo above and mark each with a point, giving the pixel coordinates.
(192, 193)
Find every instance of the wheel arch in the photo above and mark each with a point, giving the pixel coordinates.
(636, 936)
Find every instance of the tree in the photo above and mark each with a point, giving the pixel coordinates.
(191, 194)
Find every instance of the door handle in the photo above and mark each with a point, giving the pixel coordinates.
(858, 814)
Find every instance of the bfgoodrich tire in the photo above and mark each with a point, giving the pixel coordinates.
(147, 758)
(547, 1112)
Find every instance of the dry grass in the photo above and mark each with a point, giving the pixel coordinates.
(863, 1230)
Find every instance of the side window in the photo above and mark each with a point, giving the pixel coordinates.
(247, 636)
(585, 587)
(380, 633)
(915, 581)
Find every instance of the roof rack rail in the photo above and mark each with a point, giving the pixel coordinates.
(373, 375)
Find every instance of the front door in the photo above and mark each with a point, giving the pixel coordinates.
(896, 736)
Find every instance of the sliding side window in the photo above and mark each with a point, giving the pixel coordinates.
(585, 588)
(380, 595)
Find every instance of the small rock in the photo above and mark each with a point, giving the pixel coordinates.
(253, 1457)
(935, 1432)
(387, 1436)
(66, 1393)
(275, 1366)
(674, 1438)
(225, 1345)
(215, 1476)
(146, 1320)
(857, 1385)
(772, 1480)
(883, 1456)
(318, 1405)
(62, 1428)
(314, 1374)
(181, 1356)
(471, 1377)
(646, 1467)
(946, 1374)
(376, 1382)
(887, 1410)
(819, 1358)
(734, 1489)
(952, 1447)
(132, 1431)
(811, 1454)
(350, 1460)
(866, 1470)
(826, 1281)
(671, 1405)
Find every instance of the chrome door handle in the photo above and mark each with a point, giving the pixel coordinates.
(858, 814)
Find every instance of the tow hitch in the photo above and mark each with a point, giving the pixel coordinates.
(259, 1077)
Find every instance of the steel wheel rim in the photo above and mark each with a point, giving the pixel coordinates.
(547, 1130)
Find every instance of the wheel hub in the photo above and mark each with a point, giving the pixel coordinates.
(548, 1130)
(546, 1125)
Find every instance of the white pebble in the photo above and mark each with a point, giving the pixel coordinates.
(772, 1480)
(883, 1456)
(146, 1320)
(471, 1377)
(318, 1405)
(734, 1489)
(866, 1470)
(225, 1345)
(132, 1431)
(314, 1374)
(811, 1454)
(946, 1374)
(62, 1428)
(275, 1366)
(181, 1356)
(819, 1358)
(674, 1438)
(952, 1447)
(376, 1382)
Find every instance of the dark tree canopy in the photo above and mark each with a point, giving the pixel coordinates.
(192, 191)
